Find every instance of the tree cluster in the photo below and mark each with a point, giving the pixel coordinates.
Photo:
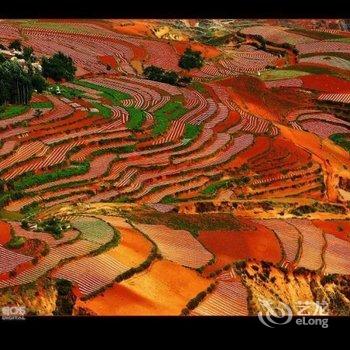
(25, 52)
(169, 77)
(58, 67)
(18, 80)
(65, 298)
(15, 84)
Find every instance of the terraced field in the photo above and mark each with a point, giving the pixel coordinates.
(162, 193)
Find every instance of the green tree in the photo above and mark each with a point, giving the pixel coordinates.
(16, 45)
(170, 78)
(27, 53)
(58, 67)
(153, 73)
(38, 82)
(15, 84)
(183, 81)
(191, 59)
(2, 58)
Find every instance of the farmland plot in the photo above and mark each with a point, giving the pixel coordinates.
(93, 273)
(288, 234)
(48, 262)
(337, 255)
(154, 292)
(177, 245)
(9, 260)
(227, 299)
(312, 244)
(93, 229)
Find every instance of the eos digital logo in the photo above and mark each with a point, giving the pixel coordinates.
(13, 313)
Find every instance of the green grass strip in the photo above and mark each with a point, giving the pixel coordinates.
(341, 141)
(276, 74)
(111, 94)
(192, 131)
(319, 35)
(315, 69)
(136, 118)
(198, 86)
(215, 186)
(46, 104)
(11, 111)
(172, 110)
(102, 109)
(31, 179)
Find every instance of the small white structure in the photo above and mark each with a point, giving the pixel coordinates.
(37, 66)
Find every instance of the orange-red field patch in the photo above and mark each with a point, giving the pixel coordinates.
(325, 83)
(132, 27)
(232, 119)
(5, 232)
(338, 228)
(260, 146)
(108, 60)
(252, 95)
(207, 51)
(230, 246)
(153, 292)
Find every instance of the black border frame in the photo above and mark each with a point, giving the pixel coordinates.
(207, 328)
(176, 9)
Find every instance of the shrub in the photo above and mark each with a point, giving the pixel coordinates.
(328, 279)
(241, 265)
(38, 82)
(58, 67)
(191, 59)
(25, 224)
(16, 45)
(193, 303)
(2, 58)
(185, 312)
(28, 53)
(55, 226)
(16, 242)
(303, 209)
(161, 75)
(341, 141)
(30, 179)
(66, 299)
